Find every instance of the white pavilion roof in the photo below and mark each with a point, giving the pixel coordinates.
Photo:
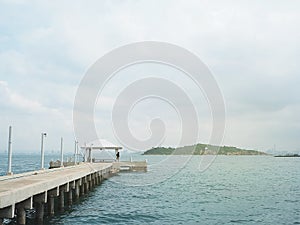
(101, 144)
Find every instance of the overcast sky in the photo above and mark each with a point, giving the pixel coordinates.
(252, 48)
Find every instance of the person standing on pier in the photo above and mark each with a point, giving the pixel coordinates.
(118, 156)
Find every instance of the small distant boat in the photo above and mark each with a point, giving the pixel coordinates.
(288, 155)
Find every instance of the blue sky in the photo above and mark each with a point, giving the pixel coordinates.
(252, 48)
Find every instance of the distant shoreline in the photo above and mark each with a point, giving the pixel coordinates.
(288, 155)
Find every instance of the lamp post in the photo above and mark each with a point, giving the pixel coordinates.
(42, 150)
(61, 152)
(9, 172)
(75, 152)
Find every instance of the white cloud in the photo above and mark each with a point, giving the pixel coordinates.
(18, 102)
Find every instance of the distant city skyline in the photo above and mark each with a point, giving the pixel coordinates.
(251, 47)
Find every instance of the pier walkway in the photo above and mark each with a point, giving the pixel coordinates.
(39, 189)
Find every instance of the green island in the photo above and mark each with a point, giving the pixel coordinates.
(202, 149)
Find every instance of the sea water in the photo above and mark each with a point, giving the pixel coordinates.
(232, 190)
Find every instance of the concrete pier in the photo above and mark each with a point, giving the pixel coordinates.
(40, 188)
(130, 166)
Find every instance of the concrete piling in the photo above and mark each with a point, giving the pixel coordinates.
(70, 197)
(96, 179)
(89, 178)
(39, 210)
(39, 205)
(20, 210)
(51, 194)
(21, 216)
(86, 186)
(82, 189)
(91, 184)
(77, 190)
(61, 201)
(50, 205)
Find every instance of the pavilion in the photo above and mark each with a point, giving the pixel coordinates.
(100, 144)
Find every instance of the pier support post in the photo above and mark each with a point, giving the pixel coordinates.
(100, 177)
(70, 197)
(61, 200)
(77, 190)
(39, 205)
(51, 205)
(96, 179)
(1, 221)
(39, 208)
(91, 183)
(50, 200)
(8, 212)
(21, 216)
(89, 179)
(86, 185)
(82, 189)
